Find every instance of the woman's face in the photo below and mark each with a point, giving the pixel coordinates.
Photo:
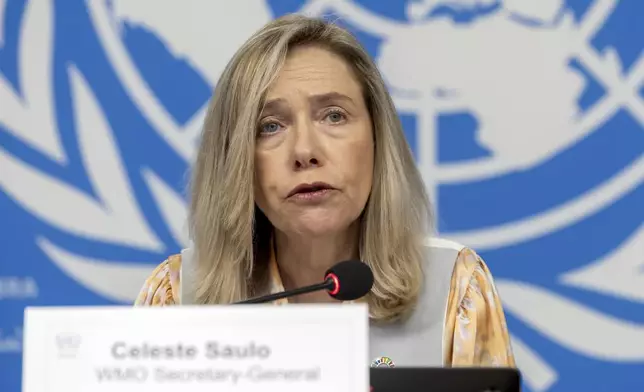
(314, 150)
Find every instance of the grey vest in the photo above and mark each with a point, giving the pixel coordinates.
(416, 342)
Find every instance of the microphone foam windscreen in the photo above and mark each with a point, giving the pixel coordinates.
(354, 277)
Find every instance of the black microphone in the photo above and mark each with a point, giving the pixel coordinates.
(345, 281)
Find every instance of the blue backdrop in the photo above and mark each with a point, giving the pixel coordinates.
(526, 118)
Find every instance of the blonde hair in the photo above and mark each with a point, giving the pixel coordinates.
(231, 235)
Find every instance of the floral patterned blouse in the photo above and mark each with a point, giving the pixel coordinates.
(475, 333)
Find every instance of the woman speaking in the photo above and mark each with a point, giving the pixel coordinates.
(303, 163)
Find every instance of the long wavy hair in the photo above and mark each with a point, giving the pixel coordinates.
(232, 236)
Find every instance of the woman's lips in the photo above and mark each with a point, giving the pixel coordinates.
(313, 196)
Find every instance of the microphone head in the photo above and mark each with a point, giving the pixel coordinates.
(352, 279)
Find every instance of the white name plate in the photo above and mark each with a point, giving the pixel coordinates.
(196, 348)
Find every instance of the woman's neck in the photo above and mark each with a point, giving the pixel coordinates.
(304, 261)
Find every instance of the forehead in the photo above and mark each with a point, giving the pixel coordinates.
(312, 70)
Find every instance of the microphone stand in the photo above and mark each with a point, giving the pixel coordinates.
(327, 285)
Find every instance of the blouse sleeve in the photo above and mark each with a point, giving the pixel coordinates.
(476, 331)
(160, 289)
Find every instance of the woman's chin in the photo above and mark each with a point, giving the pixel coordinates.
(320, 227)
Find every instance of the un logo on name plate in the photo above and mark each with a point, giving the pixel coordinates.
(526, 119)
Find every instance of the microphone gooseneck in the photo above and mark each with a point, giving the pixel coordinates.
(327, 285)
(345, 281)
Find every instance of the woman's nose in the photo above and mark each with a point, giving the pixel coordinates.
(306, 149)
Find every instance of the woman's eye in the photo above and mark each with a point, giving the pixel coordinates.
(270, 127)
(335, 117)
